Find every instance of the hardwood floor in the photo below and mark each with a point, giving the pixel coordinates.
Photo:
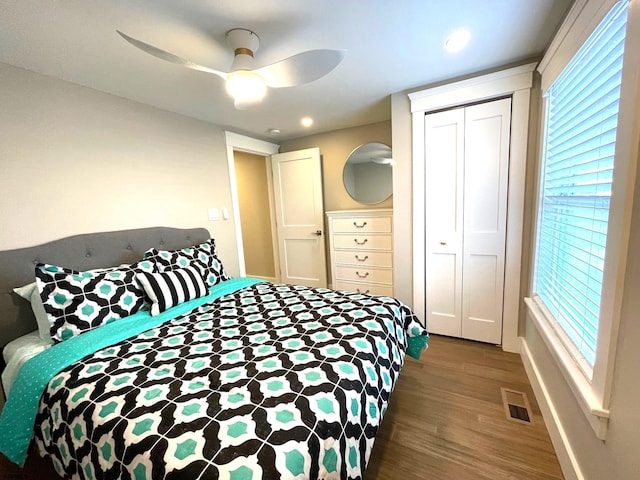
(446, 421)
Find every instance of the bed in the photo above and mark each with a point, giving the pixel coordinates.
(189, 373)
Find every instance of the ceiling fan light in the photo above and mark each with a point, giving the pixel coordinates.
(246, 86)
(382, 160)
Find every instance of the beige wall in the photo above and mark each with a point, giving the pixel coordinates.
(74, 160)
(617, 457)
(255, 214)
(530, 198)
(402, 198)
(335, 147)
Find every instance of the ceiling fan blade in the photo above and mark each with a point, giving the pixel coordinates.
(302, 68)
(169, 57)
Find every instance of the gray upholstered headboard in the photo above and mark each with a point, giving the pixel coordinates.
(81, 252)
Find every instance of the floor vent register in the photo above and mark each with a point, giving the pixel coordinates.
(516, 406)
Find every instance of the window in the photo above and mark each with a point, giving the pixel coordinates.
(581, 123)
(586, 182)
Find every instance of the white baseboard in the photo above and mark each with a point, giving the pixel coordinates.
(564, 452)
(268, 279)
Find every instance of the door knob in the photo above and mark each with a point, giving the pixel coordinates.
(317, 233)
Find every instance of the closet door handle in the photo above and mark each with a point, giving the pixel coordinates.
(317, 233)
(360, 243)
(355, 224)
(359, 275)
(362, 259)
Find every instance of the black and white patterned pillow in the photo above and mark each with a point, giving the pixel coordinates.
(168, 289)
(203, 257)
(79, 301)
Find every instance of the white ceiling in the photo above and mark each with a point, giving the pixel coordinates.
(391, 46)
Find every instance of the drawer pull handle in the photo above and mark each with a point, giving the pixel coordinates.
(366, 257)
(443, 243)
(355, 224)
(365, 292)
(360, 243)
(359, 275)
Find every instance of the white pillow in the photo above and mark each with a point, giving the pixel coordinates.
(30, 293)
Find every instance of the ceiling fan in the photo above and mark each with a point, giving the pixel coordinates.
(246, 84)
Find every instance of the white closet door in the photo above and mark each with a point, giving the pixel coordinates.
(444, 156)
(466, 176)
(486, 174)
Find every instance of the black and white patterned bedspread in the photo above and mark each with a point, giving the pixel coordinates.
(273, 381)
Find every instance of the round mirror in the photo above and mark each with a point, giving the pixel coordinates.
(367, 175)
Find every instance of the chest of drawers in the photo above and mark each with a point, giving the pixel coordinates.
(361, 250)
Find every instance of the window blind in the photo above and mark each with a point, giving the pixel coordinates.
(578, 162)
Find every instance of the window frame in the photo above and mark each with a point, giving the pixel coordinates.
(594, 394)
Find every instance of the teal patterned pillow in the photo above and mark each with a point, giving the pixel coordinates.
(79, 301)
(203, 257)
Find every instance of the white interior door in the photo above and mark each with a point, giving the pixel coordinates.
(486, 173)
(444, 162)
(466, 186)
(297, 181)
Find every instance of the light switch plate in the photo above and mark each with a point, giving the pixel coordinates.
(214, 214)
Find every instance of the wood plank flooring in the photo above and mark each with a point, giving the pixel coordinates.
(446, 421)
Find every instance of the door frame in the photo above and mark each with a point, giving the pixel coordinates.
(517, 83)
(242, 143)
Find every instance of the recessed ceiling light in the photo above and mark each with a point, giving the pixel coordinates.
(306, 122)
(457, 40)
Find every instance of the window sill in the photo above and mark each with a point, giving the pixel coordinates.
(597, 416)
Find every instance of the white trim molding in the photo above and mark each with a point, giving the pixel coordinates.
(567, 459)
(484, 87)
(242, 143)
(593, 391)
(596, 414)
(582, 19)
(515, 82)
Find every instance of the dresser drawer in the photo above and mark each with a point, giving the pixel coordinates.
(366, 259)
(363, 242)
(362, 225)
(363, 274)
(384, 290)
